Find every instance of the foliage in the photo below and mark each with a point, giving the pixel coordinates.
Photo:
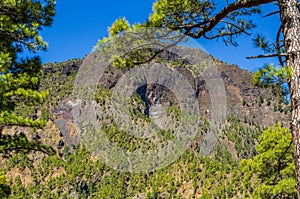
(20, 78)
(80, 175)
(118, 26)
(270, 75)
(4, 188)
(10, 144)
(21, 22)
(199, 19)
(243, 138)
(129, 45)
(273, 165)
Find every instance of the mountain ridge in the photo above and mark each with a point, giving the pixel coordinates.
(249, 110)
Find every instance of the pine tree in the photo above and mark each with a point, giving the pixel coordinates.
(20, 24)
(203, 18)
(273, 165)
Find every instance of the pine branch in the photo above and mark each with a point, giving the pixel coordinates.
(270, 14)
(267, 55)
(223, 13)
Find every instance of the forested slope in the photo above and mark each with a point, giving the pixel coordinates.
(237, 168)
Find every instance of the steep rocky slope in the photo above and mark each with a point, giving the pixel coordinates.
(252, 105)
(73, 172)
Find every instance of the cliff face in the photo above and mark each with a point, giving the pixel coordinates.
(248, 109)
(263, 105)
(251, 104)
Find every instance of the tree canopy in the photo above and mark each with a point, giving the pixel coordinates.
(20, 24)
(274, 164)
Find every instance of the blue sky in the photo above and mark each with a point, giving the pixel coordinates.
(79, 24)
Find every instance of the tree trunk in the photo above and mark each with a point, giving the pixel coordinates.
(289, 15)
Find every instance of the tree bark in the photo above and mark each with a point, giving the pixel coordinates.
(290, 19)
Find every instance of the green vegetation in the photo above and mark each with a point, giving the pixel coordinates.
(273, 164)
(4, 189)
(248, 162)
(242, 137)
(227, 173)
(80, 175)
(21, 22)
(20, 77)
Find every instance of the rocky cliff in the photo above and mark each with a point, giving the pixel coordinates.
(249, 109)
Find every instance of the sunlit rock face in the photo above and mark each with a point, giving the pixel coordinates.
(158, 114)
(248, 102)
